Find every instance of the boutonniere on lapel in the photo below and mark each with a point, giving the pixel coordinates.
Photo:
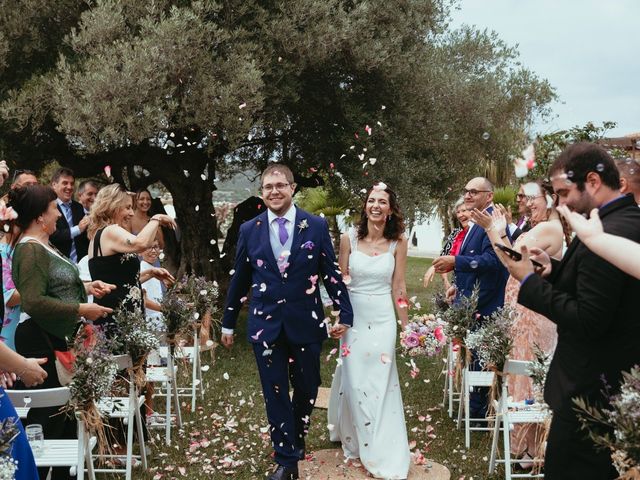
(302, 225)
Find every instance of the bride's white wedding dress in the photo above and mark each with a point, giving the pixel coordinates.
(365, 407)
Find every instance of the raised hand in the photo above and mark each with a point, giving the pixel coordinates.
(481, 218)
(163, 275)
(585, 229)
(499, 220)
(165, 220)
(505, 211)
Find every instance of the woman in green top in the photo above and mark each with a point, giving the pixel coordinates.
(52, 295)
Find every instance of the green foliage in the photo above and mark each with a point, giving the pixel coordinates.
(506, 196)
(549, 146)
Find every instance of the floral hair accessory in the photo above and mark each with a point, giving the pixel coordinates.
(380, 187)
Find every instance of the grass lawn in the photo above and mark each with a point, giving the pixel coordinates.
(227, 436)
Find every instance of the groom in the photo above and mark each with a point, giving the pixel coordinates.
(281, 256)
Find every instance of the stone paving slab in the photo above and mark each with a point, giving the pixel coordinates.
(330, 465)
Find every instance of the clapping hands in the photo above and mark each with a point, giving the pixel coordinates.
(586, 229)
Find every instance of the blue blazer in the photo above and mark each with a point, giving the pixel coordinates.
(286, 301)
(477, 263)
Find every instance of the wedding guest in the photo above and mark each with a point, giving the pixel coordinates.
(620, 251)
(453, 242)
(477, 264)
(70, 235)
(31, 374)
(113, 251)
(142, 216)
(522, 224)
(87, 191)
(23, 177)
(629, 170)
(153, 290)
(529, 328)
(53, 296)
(11, 296)
(593, 304)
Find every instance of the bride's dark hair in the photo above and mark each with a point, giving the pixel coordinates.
(394, 226)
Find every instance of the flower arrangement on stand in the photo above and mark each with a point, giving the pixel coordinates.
(492, 344)
(8, 433)
(616, 428)
(177, 312)
(423, 336)
(203, 294)
(459, 319)
(135, 336)
(93, 377)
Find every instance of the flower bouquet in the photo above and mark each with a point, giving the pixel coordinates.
(616, 428)
(493, 341)
(423, 335)
(538, 372)
(135, 336)
(94, 373)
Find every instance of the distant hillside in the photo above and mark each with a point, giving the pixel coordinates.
(236, 189)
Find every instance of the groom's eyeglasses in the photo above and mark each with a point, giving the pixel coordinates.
(473, 192)
(278, 186)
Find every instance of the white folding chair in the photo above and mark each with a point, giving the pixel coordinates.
(192, 354)
(166, 377)
(509, 414)
(128, 410)
(75, 454)
(450, 396)
(470, 380)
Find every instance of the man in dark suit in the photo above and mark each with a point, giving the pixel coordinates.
(280, 254)
(477, 264)
(594, 306)
(70, 236)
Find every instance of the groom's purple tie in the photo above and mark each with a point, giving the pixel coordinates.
(282, 231)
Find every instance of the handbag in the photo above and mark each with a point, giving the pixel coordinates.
(65, 360)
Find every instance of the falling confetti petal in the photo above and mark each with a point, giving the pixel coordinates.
(384, 358)
(242, 105)
(107, 171)
(225, 375)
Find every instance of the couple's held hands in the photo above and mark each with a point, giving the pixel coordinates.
(93, 311)
(519, 269)
(444, 264)
(99, 289)
(338, 330)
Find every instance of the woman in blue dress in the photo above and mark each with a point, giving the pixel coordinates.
(31, 374)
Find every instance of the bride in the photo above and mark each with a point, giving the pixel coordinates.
(365, 408)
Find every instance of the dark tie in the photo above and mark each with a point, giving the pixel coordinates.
(282, 231)
(68, 215)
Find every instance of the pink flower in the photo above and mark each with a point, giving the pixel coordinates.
(412, 340)
(439, 334)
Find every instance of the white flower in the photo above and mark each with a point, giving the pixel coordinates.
(303, 224)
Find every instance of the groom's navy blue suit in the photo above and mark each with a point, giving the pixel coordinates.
(285, 321)
(478, 264)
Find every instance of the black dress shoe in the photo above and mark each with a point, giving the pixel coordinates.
(284, 473)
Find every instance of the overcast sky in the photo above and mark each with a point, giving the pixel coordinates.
(589, 50)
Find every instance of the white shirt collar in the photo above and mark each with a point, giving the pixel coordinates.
(290, 215)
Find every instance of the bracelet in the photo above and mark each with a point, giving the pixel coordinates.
(154, 218)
